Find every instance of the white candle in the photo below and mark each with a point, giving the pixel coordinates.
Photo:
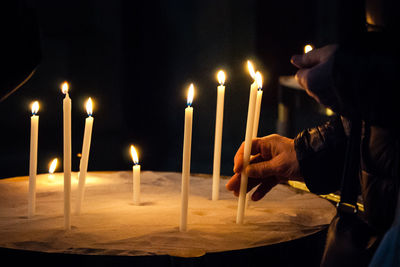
(258, 79)
(258, 104)
(219, 118)
(87, 137)
(33, 159)
(67, 156)
(136, 176)
(247, 148)
(52, 168)
(187, 143)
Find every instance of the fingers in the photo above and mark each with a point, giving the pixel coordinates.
(264, 188)
(234, 184)
(238, 159)
(302, 77)
(306, 60)
(265, 168)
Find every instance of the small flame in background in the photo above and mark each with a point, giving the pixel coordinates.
(259, 80)
(35, 107)
(190, 95)
(221, 77)
(53, 165)
(308, 48)
(134, 155)
(251, 69)
(65, 87)
(89, 107)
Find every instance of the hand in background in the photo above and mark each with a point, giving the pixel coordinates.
(315, 72)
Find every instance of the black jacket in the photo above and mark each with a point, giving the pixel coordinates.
(365, 85)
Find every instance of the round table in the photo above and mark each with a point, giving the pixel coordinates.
(110, 226)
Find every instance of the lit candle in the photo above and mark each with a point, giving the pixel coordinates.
(247, 147)
(87, 137)
(52, 168)
(67, 156)
(258, 79)
(33, 159)
(219, 117)
(187, 143)
(136, 176)
(258, 104)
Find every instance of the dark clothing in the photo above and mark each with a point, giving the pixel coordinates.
(364, 86)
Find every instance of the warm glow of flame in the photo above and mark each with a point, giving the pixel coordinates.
(190, 95)
(89, 107)
(308, 48)
(53, 166)
(65, 87)
(251, 69)
(35, 107)
(134, 155)
(329, 112)
(221, 77)
(259, 80)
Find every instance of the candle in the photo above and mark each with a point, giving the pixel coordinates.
(219, 117)
(33, 159)
(247, 147)
(52, 168)
(136, 176)
(258, 79)
(87, 137)
(67, 156)
(187, 143)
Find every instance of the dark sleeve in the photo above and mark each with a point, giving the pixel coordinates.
(320, 152)
(365, 79)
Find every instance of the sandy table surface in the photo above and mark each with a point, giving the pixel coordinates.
(109, 223)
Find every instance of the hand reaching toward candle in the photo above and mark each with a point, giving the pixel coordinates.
(274, 160)
(314, 73)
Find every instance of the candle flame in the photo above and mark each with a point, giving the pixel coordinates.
(190, 95)
(53, 166)
(221, 77)
(89, 107)
(308, 48)
(134, 154)
(251, 69)
(259, 80)
(35, 107)
(65, 87)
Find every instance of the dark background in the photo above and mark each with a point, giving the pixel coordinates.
(136, 60)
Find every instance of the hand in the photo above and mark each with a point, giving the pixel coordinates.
(314, 73)
(274, 161)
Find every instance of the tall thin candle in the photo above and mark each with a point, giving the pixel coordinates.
(219, 118)
(247, 147)
(33, 159)
(258, 104)
(67, 156)
(187, 143)
(87, 137)
(136, 176)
